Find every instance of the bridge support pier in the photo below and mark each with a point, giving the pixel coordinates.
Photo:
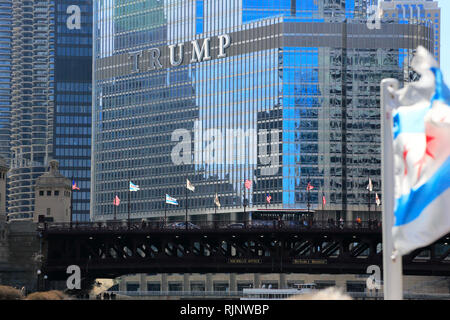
(233, 282)
(283, 282)
(209, 282)
(142, 282)
(164, 286)
(186, 286)
(257, 280)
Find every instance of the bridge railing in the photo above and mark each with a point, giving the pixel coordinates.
(216, 225)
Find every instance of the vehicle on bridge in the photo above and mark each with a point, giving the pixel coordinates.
(181, 225)
(236, 225)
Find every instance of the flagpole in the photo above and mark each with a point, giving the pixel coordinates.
(186, 203)
(115, 209)
(165, 211)
(323, 206)
(392, 265)
(71, 203)
(368, 190)
(245, 199)
(308, 194)
(129, 199)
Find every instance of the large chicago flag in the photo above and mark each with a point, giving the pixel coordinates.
(422, 158)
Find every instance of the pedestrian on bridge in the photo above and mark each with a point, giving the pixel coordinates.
(358, 222)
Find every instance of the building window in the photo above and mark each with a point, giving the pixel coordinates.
(269, 284)
(153, 286)
(243, 285)
(56, 193)
(41, 193)
(197, 286)
(132, 286)
(324, 284)
(294, 284)
(175, 286)
(356, 286)
(48, 211)
(221, 286)
(49, 192)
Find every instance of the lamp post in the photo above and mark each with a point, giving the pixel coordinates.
(38, 279)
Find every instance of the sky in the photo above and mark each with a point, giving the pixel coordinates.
(445, 39)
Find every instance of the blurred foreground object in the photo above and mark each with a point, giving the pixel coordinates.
(331, 293)
(421, 133)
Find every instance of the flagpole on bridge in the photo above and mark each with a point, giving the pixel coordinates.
(71, 203)
(392, 264)
(115, 208)
(185, 188)
(165, 212)
(215, 205)
(129, 200)
(369, 187)
(308, 187)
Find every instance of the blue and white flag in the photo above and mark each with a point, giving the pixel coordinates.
(171, 200)
(421, 158)
(134, 187)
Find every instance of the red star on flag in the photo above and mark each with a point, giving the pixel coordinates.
(421, 162)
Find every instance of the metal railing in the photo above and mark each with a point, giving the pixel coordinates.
(213, 225)
(240, 294)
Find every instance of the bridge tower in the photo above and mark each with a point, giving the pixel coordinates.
(53, 195)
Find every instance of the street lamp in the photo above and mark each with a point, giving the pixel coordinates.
(38, 276)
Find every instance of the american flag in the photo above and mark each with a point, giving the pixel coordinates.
(74, 185)
(116, 201)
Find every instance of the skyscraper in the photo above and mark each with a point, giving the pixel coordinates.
(51, 78)
(5, 77)
(404, 11)
(281, 93)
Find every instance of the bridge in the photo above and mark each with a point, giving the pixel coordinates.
(109, 250)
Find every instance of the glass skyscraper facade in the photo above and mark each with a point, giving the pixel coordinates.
(51, 88)
(405, 11)
(73, 92)
(280, 93)
(5, 77)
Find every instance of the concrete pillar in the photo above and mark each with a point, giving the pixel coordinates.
(283, 282)
(233, 285)
(122, 284)
(256, 280)
(142, 282)
(209, 282)
(349, 216)
(186, 286)
(164, 284)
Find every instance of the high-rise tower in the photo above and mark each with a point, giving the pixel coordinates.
(405, 11)
(282, 93)
(51, 76)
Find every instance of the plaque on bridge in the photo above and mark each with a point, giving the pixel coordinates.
(309, 261)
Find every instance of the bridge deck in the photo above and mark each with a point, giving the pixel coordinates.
(114, 249)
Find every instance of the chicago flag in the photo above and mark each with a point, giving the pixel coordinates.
(421, 158)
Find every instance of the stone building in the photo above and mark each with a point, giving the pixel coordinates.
(53, 195)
